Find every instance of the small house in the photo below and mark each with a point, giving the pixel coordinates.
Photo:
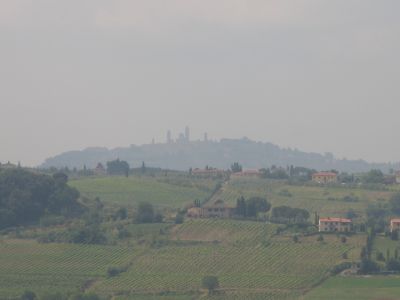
(324, 177)
(194, 212)
(394, 225)
(335, 225)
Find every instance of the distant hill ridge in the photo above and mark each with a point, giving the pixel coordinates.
(218, 154)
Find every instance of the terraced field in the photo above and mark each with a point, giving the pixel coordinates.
(26, 264)
(327, 201)
(130, 191)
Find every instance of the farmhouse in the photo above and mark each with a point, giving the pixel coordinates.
(394, 225)
(324, 177)
(335, 225)
(194, 212)
(216, 210)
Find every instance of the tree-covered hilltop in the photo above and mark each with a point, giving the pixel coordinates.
(25, 197)
(221, 154)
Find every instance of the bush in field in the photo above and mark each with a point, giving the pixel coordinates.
(393, 265)
(395, 203)
(394, 235)
(368, 266)
(210, 282)
(145, 213)
(340, 268)
(28, 295)
(296, 238)
(81, 296)
(121, 214)
(179, 218)
(84, 234)
(115, 271)
(55, 296)
(379, 256)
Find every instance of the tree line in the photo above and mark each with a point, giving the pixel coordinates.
(25, 197)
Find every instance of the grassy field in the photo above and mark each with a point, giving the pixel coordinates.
(357, 288)
(327, 201)
(130, 191)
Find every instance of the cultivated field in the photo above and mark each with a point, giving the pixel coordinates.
(281, 266)
(28, 265)
(246, 256)
(130, 191)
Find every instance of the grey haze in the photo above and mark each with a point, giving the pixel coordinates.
(319, 75)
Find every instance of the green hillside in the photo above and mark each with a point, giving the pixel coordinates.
(246, 256)
(327, 201)
(132, 190)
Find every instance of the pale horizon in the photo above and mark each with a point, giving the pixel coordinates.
(319, 76)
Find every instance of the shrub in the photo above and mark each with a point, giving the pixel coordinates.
(115, 271)
(210, 282)
(55, 296)
(81, 296)
(179, 218)
(28, 295)
(393, 265)
(368, 266)
(145, 213)
(340, 268)
(379, 256)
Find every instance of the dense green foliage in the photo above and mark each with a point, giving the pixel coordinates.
(25, 197)
(210, 282)
(118, 167)
(146, 214)
(289, 214)
(251, 207)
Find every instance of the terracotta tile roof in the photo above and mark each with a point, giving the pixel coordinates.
(395, 221)
(340, 220)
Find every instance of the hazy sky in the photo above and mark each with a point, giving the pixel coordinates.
(313, 74)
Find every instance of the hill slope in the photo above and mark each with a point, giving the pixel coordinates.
(182, 156)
